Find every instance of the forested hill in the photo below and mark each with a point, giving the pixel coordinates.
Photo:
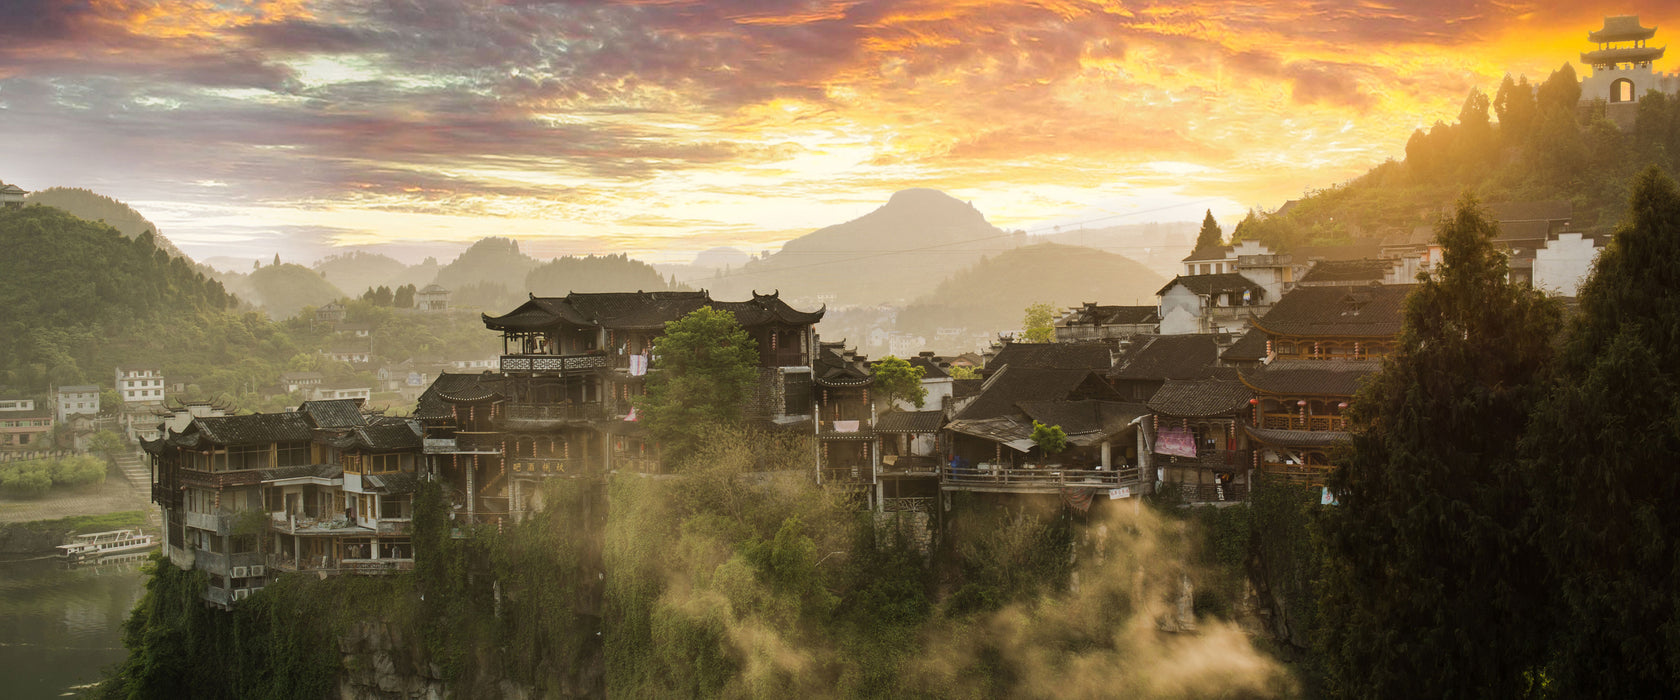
(93, 206)
(71, 286)
(594, 273)
(991, 295)
(1527, 143)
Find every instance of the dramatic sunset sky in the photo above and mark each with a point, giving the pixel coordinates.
(662, 127)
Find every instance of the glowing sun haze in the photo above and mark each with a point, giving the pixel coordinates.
(663, 127)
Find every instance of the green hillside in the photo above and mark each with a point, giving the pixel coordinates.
(70, 287)
(487, 274)
(90, 205)
(1527, 143)
(358, 270)
(593, 273)
(991, 295)
(282, 290)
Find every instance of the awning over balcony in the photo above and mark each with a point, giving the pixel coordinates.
(1297, 438)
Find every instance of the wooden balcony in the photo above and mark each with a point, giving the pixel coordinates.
(1045, 479)
(860, 474)
(553, 412)
(1294, 421)
(1307, 474)
(1216, 460)
(555, 364)
(910, 465)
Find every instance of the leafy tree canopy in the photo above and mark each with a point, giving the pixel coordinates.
(1039, 324)
(704, 369)
(896, 379)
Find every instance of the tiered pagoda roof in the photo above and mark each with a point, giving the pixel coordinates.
(1625, 28)
(643, 311)
(1621, 28)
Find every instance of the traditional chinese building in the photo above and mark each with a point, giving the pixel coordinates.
(1321, 343)
(1622, 69)
(323, 488)
(561, 405)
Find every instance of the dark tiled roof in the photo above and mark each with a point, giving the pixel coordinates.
(1090, 355)
(385, 436)
(1360, 311)
(1251, 347)
(318, 471)
(933, 366)
(1529, 231)
(1361, 270)
(1200, 398)
(435, 401)
(1310, 377)
(1221, 283)
(834, 368)
(334, 413)
(1078, 417)
(964, 388)
(289, 426)
(398, 482)
(909, 421)
(1094, 315)
(643, 310)
(1152, 357)
(1296, 438)
(1012, 385)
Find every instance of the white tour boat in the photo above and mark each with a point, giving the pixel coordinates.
(99, 544)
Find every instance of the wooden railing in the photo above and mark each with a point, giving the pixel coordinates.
(1045, 477)
(1293, 421)
(909, 464)
(861, 474)
(1309, 474)
(553, 411)
(555, 363)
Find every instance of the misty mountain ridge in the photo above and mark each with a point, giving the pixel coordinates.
(992, 295)
(892, 254)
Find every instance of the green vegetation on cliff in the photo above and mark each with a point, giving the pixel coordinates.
(1528, 143)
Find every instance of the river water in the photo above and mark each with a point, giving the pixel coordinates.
(61, 628)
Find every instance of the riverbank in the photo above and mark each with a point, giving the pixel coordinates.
(41, 536)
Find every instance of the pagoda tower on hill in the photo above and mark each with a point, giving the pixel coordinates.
(1621, 68)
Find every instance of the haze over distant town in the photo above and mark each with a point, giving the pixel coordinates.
(665, 129)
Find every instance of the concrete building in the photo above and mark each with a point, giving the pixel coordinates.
(73, 400)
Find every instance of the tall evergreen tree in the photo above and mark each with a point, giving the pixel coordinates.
(1606, 442)
(1211, 236)
(1435, 587)
(703, 377)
